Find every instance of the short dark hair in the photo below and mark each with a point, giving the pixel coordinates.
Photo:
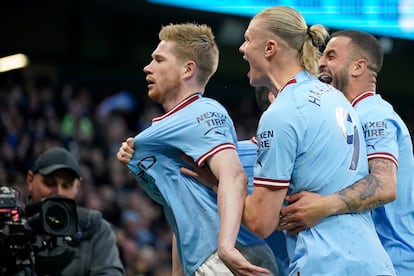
(367, 45)
(262, 97)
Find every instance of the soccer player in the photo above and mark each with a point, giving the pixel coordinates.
(310, 139)
(247, 150)
(205, 225)
(351, 62)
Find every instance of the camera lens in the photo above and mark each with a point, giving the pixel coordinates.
(56, 217)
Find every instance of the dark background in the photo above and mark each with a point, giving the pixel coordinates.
(104, 44)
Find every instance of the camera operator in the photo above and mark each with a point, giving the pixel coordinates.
(93, 249)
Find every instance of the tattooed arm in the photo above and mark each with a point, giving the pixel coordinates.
(306, 209)
(376, 189)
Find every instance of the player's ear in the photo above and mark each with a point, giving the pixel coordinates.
(189, 68)
(271, 97)
(270, 48)
(360, 66)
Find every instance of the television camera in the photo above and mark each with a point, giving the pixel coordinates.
(26, 232)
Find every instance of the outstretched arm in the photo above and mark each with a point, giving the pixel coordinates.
(307, 209)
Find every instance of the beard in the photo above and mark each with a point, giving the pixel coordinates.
(340, 81)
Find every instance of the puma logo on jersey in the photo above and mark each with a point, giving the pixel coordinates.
(216, 131)
(371, 146)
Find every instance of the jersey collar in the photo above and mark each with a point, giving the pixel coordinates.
(290, 81)
(361, 97)
(179, 106)
(300, 76)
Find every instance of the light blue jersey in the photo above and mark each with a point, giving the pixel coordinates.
(199, 127)
(247, 150)
(388, 137)
(310, 139)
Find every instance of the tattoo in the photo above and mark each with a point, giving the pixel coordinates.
(367, 193)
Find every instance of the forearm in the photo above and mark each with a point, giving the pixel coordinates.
(376, 189)
(262, 209)
(231, 193)
(230, 199)
(177, 269)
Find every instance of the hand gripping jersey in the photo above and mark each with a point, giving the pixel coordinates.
(310, 139)
(199, 127)
(387, 136)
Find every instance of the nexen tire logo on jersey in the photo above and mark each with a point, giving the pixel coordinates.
(263, 139)
(212, 119)
(374, 129)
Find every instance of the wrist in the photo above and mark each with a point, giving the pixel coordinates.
(222, 252)
(335, 205)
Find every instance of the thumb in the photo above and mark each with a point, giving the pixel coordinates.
(293, 197)
(130, 142)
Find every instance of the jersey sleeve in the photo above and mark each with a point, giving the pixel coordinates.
(277, 142)
(202, 130)
(247, 151)
(380, 132)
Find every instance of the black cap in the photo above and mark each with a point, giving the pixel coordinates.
(54, 159)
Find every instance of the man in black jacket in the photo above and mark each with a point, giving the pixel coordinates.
(92, 250)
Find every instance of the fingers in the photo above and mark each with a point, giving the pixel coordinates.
(126, 151)
(130, 142)
(188, 172)
(257, 270)
(119, 157)
(253, 270)
(285, 211)
(294, 197)
(248, 269)
(239, 265)
(291, 208)
(292, 224)
(287, 226)
(292, 227)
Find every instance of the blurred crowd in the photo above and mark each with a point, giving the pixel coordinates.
(37, 113)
